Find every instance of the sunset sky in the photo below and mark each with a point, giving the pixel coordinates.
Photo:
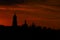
(41, 12)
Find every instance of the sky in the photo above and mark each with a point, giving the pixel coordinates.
(41, 12)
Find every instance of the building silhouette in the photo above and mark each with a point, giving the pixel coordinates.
(25, 24)
(14, 23)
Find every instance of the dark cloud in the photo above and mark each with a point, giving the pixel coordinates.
(48, 2)
(10, 2)
(13, 2)
(35, 0)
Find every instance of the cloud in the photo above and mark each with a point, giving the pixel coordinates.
(10, 2)
(13, 2)
(53, 2)
(48, 2)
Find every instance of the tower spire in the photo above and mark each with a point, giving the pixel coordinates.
(14, 20)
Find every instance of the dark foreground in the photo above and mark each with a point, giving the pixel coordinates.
(29, 33)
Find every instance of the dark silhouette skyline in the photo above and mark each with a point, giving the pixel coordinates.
(14, 23)
(32, 32)
(46, 10)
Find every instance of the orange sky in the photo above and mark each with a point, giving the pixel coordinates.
(43, 15)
